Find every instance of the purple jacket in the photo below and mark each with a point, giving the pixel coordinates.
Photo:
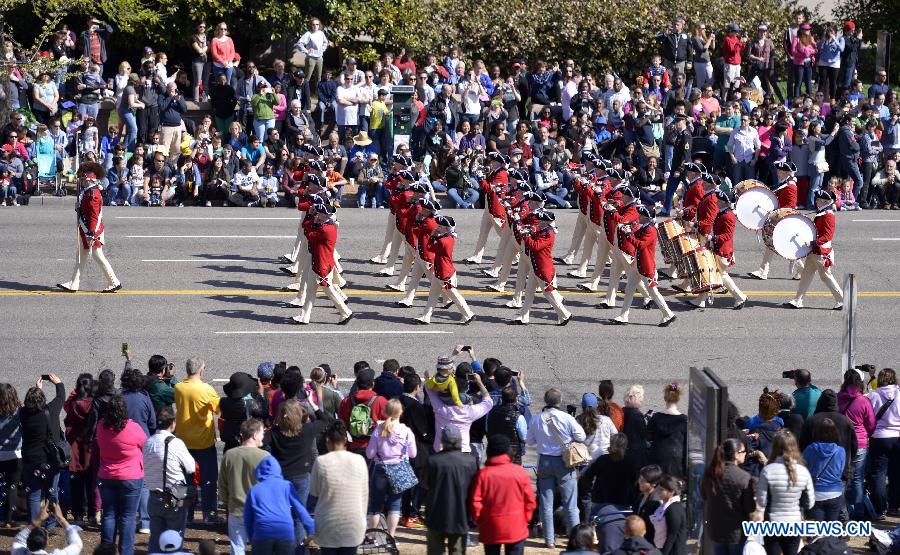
(461, 417)
(855, 406)
(390, 450)
(889, 423)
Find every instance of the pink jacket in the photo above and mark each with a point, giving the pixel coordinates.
(800, 52)
(856, 406)
(121, 453)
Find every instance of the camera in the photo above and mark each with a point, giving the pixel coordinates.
(789, 374)
(571, 409)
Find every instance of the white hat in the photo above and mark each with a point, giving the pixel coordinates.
(170, 541)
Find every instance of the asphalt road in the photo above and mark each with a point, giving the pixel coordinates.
(205, 281)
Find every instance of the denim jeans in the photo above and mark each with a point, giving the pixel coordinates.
(553, 474)
(219, 70)
(854, 492)
(376, 198)
(742, 171)
(301, 485)
(118, 194)
(323, 107)
(728, 548)
(825, 511)
(209, 478)
(466, 199)
(237, 535)
(89, 110)
(850, 168)
(884, 462)
(815, 183)
(558, 198)
(131, 129)
(380, 494)
(273, 547)
(8, 192)
(364, 124)
(41, 482)
(439, 187)
(802, 74)
(671, 187)
(120, 504)
(162, 519)
(510, 548)
(261, 127)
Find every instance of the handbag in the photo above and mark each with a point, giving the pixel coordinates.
(174, 496)
(59, 452)
(575, 453)
(400, 476)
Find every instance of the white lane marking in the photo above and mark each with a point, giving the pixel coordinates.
(196, 260)
(335, 332)
(897, 220)
(211, 236)
(886, 238)
(198, 218)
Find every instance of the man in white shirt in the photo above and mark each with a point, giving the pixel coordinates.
(177, 465)
(569, 90)
(313, 43)
(32, 539)
(347, 114)
(355, 73)
(366, 94)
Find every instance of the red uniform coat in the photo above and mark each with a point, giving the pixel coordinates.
(626, 214)
(723, 234)
(305, 202)
(539, 246)
(597, 211)
(643, 244)
(502, 501)
(90, 217)
(585, 194)
(322, 239)
(787, 194)
(441, 247)
(422, 229)
(400, 206)
(825, 224)
(498, 178)
(391, 184)
(691, 200)
(409, 223)
(609, 216)
(706, 212)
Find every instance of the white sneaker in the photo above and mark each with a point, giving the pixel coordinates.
(758, 274)
(208, 204)
(126, 203)
(144, 531)
(881, 541)
(15, 203)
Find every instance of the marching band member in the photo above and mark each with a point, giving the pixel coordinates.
(618, 220)
(316, 168)
(539, 239)
(314, 192)
(310, 153)
(586, 235)
(721, 240)
(399, 163)
(530, 203)
(786, 192)
(406, 219)
(421, 231)
(321, 239)
(443, 275)
(513, 204)
(584, 191)
(642, 269)
(493, 187)
(606, 198)
(690, 200)
(708, 206)
(400, 204)
(90, 229)
(821, 259)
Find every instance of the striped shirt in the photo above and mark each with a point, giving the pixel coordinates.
(179, 464)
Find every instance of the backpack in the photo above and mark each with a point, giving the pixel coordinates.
(361, 422)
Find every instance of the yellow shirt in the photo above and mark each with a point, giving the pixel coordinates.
(196, 404)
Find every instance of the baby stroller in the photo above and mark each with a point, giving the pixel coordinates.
(48, 176)
(378, 541)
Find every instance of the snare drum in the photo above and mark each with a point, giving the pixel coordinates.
(668, 230)
(683, 245)
(702, 270)
(754, 201)
(788, 233)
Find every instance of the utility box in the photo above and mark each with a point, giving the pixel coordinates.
(402, 109)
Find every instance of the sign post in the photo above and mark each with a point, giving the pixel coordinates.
(848, 344)
(707, 418)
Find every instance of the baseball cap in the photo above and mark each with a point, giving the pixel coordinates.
(589, 400)
(265, 371)
(170, 541)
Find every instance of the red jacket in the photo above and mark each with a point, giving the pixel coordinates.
(539, 246)
(502, 501)
(643, 244)
(321, 246)
(585, 194)
(610, 216)
(731, 50)
(500, 177)
(691, 200)
(706, 212)
(723, 233)
(787, 194)
(626, 214)
(391, 184)
(409, 224)
(422, 230)
(362, 396)
(441, 247)
(400, 206)
(90, 217)
(825, 224)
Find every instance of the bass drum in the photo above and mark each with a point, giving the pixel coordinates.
(703, 271)
(754, 202)
(788, 233)
(682, 246)
(668, 230)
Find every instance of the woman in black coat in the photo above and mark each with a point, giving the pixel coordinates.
(634, 426)
(648, 500)
(728, 494)
(40, 424)
(670, 519)
(242, 402)
(667, 432)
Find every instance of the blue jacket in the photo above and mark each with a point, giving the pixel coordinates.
(830, 52)
(327, 91)
(848, 143)
(825, 462)
(267, 510)
(140, 409)
(170, 110)
(388, 385)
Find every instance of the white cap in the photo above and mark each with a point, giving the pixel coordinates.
(170, 541)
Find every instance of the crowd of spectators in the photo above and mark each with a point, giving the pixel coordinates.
(245, 146)
(304, 463)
